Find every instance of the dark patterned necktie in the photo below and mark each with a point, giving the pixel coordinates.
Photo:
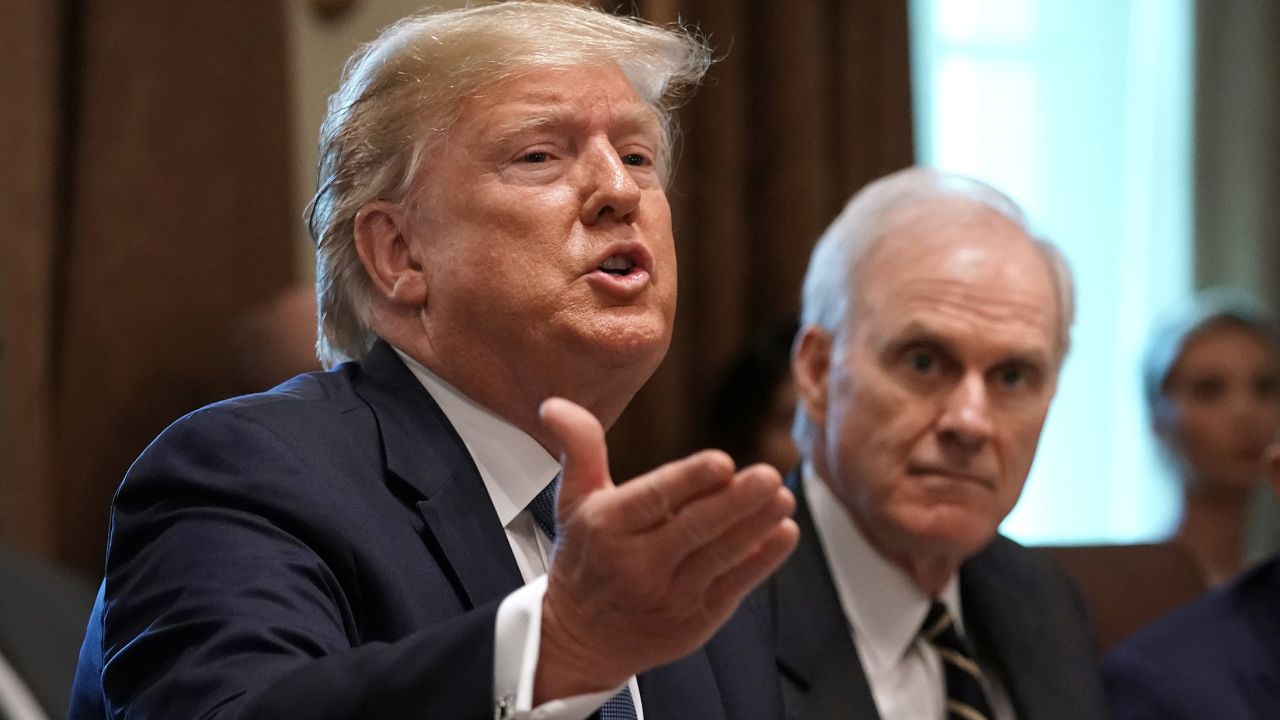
(543, 507)
(966, 699)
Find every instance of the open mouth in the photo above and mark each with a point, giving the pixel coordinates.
(617, 265)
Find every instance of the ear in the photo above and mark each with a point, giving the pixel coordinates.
(392, 263)
(810, 365)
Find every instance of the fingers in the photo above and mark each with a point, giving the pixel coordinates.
(654, 498)
(710, 515)
(727, 590)
(583, 455)
(758, 515)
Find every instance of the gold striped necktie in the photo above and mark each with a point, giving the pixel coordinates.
(966, 700)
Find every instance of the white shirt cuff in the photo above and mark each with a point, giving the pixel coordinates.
(517, 636)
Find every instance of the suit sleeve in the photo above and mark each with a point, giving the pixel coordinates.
(229, 595)
(1139, 691)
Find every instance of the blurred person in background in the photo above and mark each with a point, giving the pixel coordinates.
(43, 609)
(1216, 657)
(755, 401)
(1211, 375)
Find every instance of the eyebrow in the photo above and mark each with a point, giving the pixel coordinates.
(632, 120)
(917, 333)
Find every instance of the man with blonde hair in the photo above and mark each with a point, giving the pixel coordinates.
(496, 279)
(932, 330)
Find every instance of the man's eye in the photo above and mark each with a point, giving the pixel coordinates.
(923, 362)
(1012, 377)
(635, 159)
(536, 156)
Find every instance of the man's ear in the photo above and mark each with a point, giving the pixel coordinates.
(392, 263)
(810, 365)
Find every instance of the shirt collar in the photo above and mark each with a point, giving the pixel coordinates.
(513, 466)
(882, 604)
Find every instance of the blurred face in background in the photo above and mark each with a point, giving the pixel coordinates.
(1222, 408)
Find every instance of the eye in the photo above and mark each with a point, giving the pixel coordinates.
(1012, 377)
(1206, 390)
(1264, 388)
(923, 362)
(537, 156)
(635, 159)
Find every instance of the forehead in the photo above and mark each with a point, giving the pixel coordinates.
(558, 96)
(957, 268)
(1225, 346)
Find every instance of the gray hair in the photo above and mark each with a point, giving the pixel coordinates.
(401, 93)
(1207, 309)
(835, 266)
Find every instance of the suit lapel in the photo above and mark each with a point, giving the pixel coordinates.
(823, 677)
(1007, 630)
(424, 454)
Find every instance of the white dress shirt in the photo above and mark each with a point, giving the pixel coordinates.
(16, 700)
(514, 468)
(885, 610)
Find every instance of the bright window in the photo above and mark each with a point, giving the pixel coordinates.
(1081, 111)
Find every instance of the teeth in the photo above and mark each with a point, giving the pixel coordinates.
(616, 264)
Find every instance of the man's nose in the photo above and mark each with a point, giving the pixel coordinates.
(966, 414)
(611, 191)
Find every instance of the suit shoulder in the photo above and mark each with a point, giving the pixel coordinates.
(1227, 620)
(1028, 566)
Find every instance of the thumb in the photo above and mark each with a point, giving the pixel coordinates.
(583, 454)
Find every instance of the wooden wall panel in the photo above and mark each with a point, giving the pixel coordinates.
(180, 223)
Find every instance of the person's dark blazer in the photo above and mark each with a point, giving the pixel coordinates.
(42, 614)
(1022, 615)
(1215, 657)
(328, 550)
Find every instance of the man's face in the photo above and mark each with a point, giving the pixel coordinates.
(545, 231)
(937, 392)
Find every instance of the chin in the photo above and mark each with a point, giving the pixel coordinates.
(630, 342)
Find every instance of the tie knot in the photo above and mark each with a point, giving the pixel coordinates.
(543, 507)
(937, 623)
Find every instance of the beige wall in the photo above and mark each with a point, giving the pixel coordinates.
(318, 46)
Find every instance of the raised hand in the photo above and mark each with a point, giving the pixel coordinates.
(647, 571)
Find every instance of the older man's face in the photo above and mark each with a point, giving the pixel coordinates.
(546, 231)
(939, 390)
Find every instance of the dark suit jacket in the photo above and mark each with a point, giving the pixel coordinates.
(42, 614)
(328, 550)
(1022, 615)
(1215, 657)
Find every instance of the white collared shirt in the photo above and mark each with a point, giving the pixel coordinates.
(514, 468)
(16, 700)
(885, 610)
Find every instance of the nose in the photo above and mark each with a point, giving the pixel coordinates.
(965, 423)
(611, 193)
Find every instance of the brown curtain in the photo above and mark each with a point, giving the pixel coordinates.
(151, 186)
(810, 100)
(1237, 140)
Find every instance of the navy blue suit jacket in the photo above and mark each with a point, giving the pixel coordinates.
(328, 550)
(1215, 657)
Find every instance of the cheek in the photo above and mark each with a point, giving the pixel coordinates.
(1200, 430)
